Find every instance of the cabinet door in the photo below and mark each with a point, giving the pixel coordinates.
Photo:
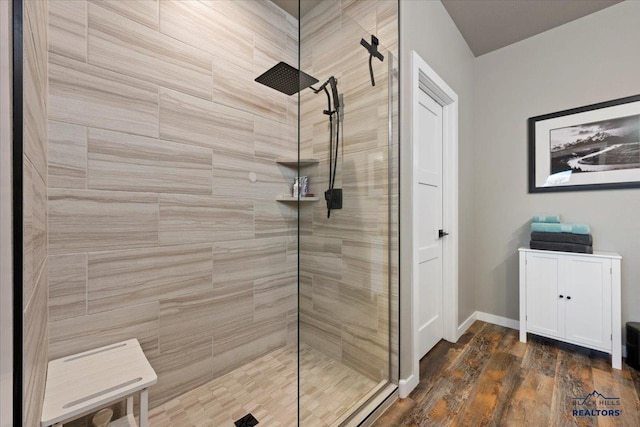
(543, 302)
(588, 301)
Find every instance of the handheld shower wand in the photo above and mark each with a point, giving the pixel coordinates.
(333, 196)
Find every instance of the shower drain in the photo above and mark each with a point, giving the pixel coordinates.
(246, 421)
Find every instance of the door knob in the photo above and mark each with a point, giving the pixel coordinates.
(442, 233)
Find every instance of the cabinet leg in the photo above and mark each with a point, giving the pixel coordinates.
(129, 405)
(144, 408)
(616, 358)
(523, 335)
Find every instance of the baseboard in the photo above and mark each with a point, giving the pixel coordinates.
(497, 320)
(405, 386)
(466, 325)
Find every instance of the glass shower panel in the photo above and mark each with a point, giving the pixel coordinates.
(346, 256)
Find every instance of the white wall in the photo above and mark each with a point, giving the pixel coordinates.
(425, 26)
(586, 61)
(6, 299)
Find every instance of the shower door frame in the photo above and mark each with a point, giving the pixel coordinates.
(17, 207)
(7, 386)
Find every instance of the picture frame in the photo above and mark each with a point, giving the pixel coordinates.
(595, 147)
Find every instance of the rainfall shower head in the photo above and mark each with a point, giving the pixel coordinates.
(286, 79)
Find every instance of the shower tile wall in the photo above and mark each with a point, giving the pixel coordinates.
(345, 294)
(155, 230)
(34, 194)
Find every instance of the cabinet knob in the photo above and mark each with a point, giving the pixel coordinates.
(561, 296)
(568, 297)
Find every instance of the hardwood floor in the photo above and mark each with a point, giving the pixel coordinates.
(490, 378)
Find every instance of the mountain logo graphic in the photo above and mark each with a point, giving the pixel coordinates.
(594, 397)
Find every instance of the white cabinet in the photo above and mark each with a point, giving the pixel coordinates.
(573, 298)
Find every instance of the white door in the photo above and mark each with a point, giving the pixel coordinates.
(427, 217)
(588, 301)
(545, 299)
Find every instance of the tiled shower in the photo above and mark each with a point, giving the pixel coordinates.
(152, 165)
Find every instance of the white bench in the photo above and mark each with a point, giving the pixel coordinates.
(83, 383)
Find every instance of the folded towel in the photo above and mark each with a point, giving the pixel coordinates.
(581, 239)
(562, 247)
(546, 218)
(561, 228)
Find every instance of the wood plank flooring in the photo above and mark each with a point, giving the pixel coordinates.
(489, 378)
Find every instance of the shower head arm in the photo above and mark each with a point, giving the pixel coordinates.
(333, 83)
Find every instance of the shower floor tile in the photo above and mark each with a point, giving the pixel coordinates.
(267, 388)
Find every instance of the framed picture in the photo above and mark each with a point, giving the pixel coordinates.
(596, 147)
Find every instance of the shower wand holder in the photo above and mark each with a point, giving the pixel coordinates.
(333, 198)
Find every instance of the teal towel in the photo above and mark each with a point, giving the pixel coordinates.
(561, 228)
(546, 218)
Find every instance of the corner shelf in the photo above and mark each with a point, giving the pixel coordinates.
(293, 163)
(295, 199)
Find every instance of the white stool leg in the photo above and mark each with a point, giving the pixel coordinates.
(144, 408)
(129, 405)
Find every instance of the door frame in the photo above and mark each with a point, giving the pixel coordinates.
(424, 78)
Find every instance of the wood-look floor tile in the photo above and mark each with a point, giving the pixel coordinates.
(200, 219)
(68, 28)
(505, 388)
(131, 277)
(124, 162)
(85, 220)
(87, 95)
(67, 286)
(119, 44)
(67, 163)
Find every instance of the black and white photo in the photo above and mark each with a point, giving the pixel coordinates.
(595, 147)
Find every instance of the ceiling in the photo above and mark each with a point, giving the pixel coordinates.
(487, 25)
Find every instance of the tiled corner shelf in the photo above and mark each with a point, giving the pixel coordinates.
(295, 163)
(295, 199)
